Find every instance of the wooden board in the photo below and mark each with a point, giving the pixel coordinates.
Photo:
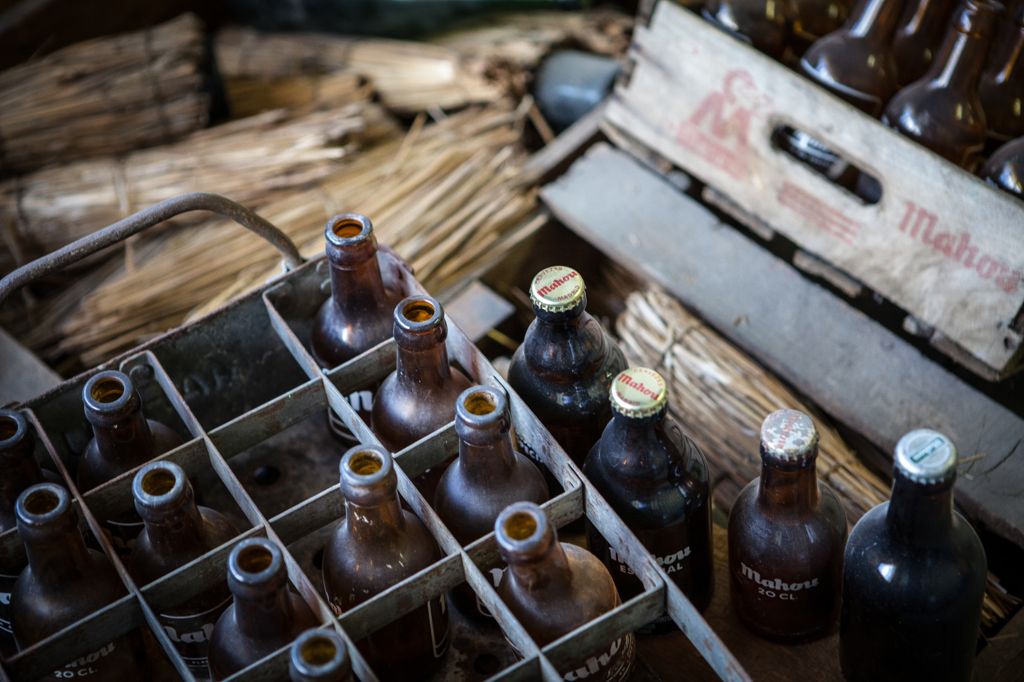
(852, 367)
(941, 244)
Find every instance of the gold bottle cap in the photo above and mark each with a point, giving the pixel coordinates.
(557, 289)
(788, 435)
(926, 456)
(638, 392)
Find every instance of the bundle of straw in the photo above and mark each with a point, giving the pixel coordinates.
(251, 160)
(719, 396)
(249, 96)
(104, 96)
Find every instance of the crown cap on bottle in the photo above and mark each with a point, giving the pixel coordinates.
(926, 456)
(557, 289)
(789, 436)
(639, 392)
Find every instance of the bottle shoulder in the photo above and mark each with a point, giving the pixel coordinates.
(336, 339)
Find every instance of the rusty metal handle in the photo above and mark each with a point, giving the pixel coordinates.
(141, 221)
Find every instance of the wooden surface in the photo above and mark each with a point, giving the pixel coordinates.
(853, 368)
(22, 374)
(710, 105)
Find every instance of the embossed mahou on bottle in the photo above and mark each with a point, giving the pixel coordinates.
(319, 656)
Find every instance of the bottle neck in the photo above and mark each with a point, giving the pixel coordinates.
(546, 570)
(128, 440)
(874, 20)
(58, 556)
(790, 486)
(959, 63)
(174, 530)
(377, 520)
(482, 459)
(265, 616)
(1009, 63)
(920, 514)
(358, 288)
(424, 366)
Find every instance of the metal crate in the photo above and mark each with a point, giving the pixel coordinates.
(242, 385)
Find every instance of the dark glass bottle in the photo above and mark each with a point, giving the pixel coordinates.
(357, 316)
(319, 656)
(553, 588)
(566, 363)
(920, 32)
(376, 545)
(487, 476)
(265, 615)
(64, 582)
(656, 479)
(942, 110)
(419, 396)
(765, 24)
(1002, 84)
(1005, 169)
(914, 577)
(813, 19)
(786, 536)
(176, 532)
(122, 439)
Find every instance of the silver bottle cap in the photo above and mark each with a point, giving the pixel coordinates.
(789, 436)
(926, 456)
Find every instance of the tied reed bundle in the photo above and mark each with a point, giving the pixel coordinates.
(250, 96)
(719, 395)
(104, 96)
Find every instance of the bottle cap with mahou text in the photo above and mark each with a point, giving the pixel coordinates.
(926, 456)
(557, 289)
(638, 392)
(789, 436)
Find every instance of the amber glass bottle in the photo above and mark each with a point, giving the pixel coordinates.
(64, 582)
(1002, 84)
(176, 532)
(914, 577)
(566, 363)
(122, 439)
(919, 35)
(319, 656)
(942, 110)
(765, 24)
(553, 588)
(419, 396)
(265, 615)
(357, 316)
(813, 19)
(786, 536)
(656, 479)
(487, 476)
(1005, 169)
(375, 546)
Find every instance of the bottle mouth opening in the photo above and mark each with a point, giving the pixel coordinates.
(347, 229)
(159, 483)
(317, 651)
(520, 528)
(480, 402)
(42, 503)
(365, 466)
(521, 525)
(108, 391)
(419, 314)
(12, 428)
(255, 561)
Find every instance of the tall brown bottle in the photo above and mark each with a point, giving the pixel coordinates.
(765, 24)
(942, 110)
(487, 476)
(919, 35)
(357, 316)
(566, 363)
(64, 582)
(786, 537)
(265, 615)
(656, 479)
(419, 396)
(1002, 84)
(376, 545)
(319, 656)
(553, 588)
(176, 532)
(122, 439)
(1005, 169)
(814, 19)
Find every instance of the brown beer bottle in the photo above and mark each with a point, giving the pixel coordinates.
(357, 316)
(566, 363)
(487, 476)
(813, 19)
(376, 545)
(64, 582)
(1005, 169)
(265, 615)
(319, 656)
(553, 588)
(765, 24)
(786, 536)
(1002, 84)
(656, 479)
(914, 576)
(942, 110)
(419, 396)
(920, 32)
(176, 532)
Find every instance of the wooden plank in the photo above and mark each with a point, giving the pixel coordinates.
(1003, 659)
(22, 374)
(953, 258)
(861, 373)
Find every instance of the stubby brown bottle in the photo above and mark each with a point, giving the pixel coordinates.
(942, 110)
(377, 545)
(1005, 169)
(1002, 84)
(786, 537)
(487, 476)
(765, 24)
(265, 615)
(919, 35)
(357, 316)
(814, 19)
(319, 656)
(419, 396)
(566, 363)
(553, 588)
(122, 439)
(176, 532)
(656, 480)
(64, 582)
